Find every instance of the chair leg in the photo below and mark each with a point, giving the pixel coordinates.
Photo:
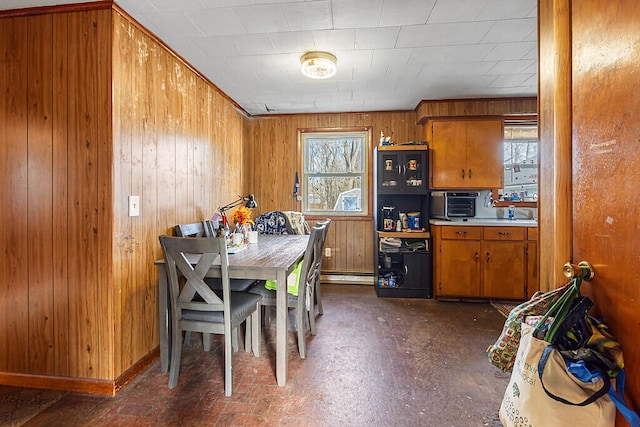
(227, 363)
(247, 335)
(302, 347)
(206, 341)
(318, 296)
(255, 331)
(176, 353)
(234, 340)
(310, 312)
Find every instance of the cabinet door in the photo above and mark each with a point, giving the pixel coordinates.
(389, 171)
(458, 268)
(484, 154)
(415, 172)
(504, 272)
(448, 154)
(417, 271)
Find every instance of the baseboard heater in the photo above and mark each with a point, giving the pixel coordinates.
(348, 279)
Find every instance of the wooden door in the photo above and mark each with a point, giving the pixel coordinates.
(484, 154)
(589, 157)
(606, 155)
(448, 154)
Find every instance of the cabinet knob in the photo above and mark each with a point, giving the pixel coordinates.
(461, 232)
(503, 233)
(462, 174)
(477, 257)
(470, 173)
(488, 257)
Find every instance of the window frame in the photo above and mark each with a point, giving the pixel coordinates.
(366, 177)
(495, 192)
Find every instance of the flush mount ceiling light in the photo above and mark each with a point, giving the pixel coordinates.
(318, 65)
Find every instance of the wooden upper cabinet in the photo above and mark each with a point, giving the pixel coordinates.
(465, 153)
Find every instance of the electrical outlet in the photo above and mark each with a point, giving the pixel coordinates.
(134, 205)
(327, 252)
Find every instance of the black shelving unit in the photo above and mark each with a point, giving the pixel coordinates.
(401, 182)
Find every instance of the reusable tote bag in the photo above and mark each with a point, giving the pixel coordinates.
(526, 403)
(503, 353)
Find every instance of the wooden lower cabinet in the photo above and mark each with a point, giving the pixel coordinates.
(479, 262)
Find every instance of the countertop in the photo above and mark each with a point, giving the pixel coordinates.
(519, 222)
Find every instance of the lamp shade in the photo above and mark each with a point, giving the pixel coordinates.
(318, 65)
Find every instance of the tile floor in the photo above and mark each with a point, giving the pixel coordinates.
(374, 362)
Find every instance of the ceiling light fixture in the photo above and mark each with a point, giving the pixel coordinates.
(318, 65)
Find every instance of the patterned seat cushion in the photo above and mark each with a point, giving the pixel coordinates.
(273, 222)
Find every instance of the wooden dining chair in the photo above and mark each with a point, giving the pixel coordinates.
(196, 307)
(317, 301)
(306, 290)
(194, 229)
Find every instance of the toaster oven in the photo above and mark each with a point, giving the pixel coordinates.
(453, 204)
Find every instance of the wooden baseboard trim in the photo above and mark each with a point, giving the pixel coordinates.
(135, 370)
(80, 385)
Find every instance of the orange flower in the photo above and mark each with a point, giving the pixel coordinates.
(242, 215)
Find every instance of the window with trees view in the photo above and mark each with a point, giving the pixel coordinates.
(334, 172)
(520, 161)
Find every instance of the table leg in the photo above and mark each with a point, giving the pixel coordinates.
(163, 319)
(282, 328)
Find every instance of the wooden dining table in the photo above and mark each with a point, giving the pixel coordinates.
(273, 257)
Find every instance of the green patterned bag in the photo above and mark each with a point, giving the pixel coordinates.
(503, 353)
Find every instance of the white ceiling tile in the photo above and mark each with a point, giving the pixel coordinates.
(307, 16)
(511, 29)
(511, 51)
(217, 22)
(456, 11)
(254, 44)
(356, 13)
(294, 41)
(510, 67)
(334, 40)
(405, 12)
(266, 18)
(178, 22)
(376, 38)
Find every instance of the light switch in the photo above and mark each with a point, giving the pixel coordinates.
(134, 205)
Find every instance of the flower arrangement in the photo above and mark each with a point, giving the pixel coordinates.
(242, 216)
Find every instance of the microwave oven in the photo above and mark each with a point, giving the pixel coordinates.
(453, 204)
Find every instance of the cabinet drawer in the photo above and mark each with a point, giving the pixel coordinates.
(532, 233)
(504, 233)
(461, 233)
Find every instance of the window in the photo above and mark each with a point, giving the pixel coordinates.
(334, 172)
(520, 162)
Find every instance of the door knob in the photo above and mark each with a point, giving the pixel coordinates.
(583, 270)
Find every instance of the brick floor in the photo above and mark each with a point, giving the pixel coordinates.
(374, 362)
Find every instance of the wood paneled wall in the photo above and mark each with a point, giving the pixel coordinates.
(78, 306)
(273, 161)
(178, 144)
(55, 316)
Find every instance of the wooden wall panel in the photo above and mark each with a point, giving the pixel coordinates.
(90, 335)
(14, 266)
(57, 152)
(179, 145)
(39, 193)
(59, 196)
(274, 162)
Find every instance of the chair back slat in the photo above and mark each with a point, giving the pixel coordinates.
(180, 254)
(194, 229)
